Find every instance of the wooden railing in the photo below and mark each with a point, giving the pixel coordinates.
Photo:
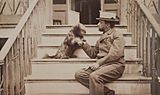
(146, 34)
(13, 6)
(20, 48)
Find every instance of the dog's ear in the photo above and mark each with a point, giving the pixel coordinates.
(76, 30)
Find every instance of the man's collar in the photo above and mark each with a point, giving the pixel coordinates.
(107, 34)
(109, 31)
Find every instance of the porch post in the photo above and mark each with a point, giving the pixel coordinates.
(68, 2)
(49, 12)
(123, 12)
(102, 4)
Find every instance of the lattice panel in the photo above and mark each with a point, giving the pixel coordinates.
(8, 7)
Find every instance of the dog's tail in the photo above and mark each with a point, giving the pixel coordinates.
(55, 57)
(48, 56)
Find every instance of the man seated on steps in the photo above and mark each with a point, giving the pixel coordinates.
(109, 51)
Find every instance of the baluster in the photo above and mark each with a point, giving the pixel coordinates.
(11, 72)
(153, 65)
(153, 48)
(144, 53)
(158, 55)
(1, 77)
(17, 69)
(21, 60)
(5, 76)
(147, 70)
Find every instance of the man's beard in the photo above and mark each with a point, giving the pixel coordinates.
(101, 29)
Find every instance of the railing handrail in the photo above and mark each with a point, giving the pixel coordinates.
(150, 17)
(7, 46)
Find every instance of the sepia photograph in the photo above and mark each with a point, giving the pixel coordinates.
(79, 47)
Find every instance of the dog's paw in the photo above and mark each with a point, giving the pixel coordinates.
(73, 56)
(45, 56)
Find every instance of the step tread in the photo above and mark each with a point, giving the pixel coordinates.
(90, 32)
(76, 60)
(57, 94)
(76, 94)
(87, 34)
(133, 87)
(8, 23)
(129, 51)
(52, 45)
(96, 32)
(60, 26)
(68, 69)
(64, 60)
(125, 77)
(91, 29)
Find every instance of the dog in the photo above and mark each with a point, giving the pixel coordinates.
(72, 41)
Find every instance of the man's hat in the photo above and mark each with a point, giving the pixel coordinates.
(107, 16)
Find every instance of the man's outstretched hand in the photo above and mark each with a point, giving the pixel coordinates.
(78, 41)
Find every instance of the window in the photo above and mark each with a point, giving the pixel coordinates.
(110, 1)
(59, 1)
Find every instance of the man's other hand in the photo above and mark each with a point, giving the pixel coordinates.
(94, 66)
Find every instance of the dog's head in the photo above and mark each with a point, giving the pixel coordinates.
(79, 30)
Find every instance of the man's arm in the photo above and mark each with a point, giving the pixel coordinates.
(116, 51)
(89, 50)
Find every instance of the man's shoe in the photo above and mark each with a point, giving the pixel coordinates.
(110, 92)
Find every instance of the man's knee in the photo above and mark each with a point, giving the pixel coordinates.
(94, 76)
(77, 75)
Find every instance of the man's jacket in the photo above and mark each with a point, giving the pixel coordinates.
(108, 49)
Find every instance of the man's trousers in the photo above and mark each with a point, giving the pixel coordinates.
(95, 80)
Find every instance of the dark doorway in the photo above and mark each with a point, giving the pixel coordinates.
(88, 9)
(2, 42)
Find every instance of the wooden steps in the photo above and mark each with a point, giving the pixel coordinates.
(64, 69)
(123, 86)
(89, 29)
(75, 94)
(92, 35)
(56, 76)
(76, 88)
(130, 51)
(56, 94)
(70, 66)
(54, 36)
(68, 26)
